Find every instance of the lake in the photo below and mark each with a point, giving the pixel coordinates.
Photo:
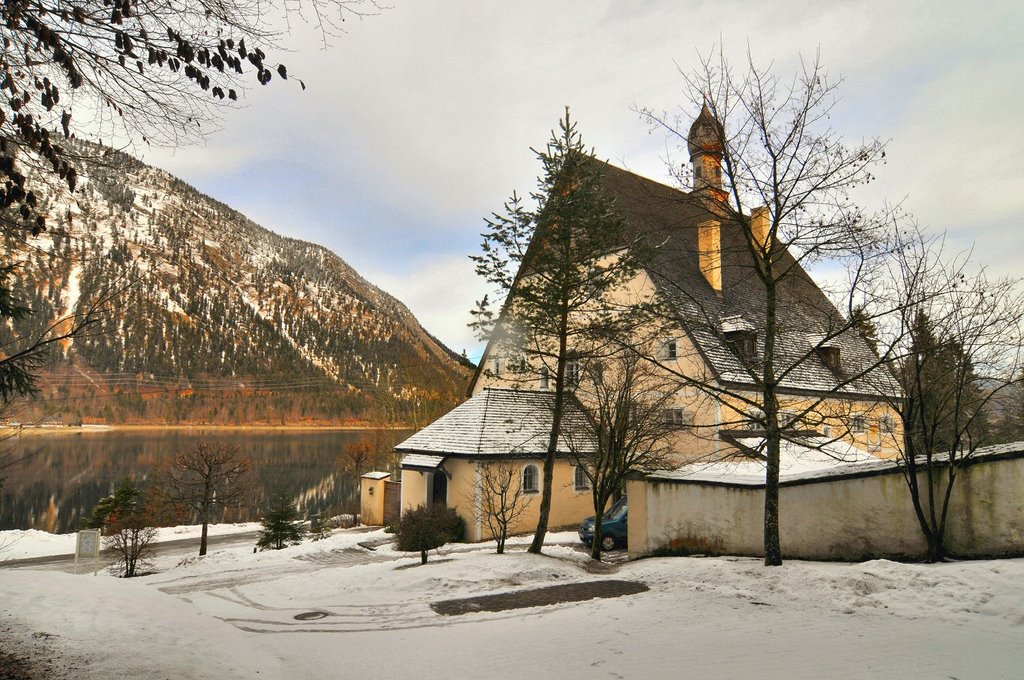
(65, 474)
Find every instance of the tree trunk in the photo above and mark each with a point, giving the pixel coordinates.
(772, 547)
(202, 539)
(595, 547)
(549, 460)
(770, 404)
(423, 557)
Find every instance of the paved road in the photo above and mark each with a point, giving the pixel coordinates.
(177, 547)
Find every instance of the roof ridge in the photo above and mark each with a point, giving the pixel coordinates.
(645, 178)
(483, 421)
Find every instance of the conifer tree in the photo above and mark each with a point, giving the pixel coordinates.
(281, 526)
(550, 265)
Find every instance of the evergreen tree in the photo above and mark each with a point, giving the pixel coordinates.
(550, 265)
(125, 499)
(281, 526)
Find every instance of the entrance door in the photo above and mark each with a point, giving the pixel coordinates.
(439, 489)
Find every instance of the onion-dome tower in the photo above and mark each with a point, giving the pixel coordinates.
(705, 145)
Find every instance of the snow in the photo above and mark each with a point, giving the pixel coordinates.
(232, 614)
(795, 460)
(22, 544)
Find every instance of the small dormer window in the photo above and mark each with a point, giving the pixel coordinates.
(741, 337)
(743, 344)
(829, 355)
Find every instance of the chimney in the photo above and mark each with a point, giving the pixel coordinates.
(760, 225)
(709, 245)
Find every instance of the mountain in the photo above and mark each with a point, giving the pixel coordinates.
(212, 318)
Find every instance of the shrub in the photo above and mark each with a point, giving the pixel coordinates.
(429, 527)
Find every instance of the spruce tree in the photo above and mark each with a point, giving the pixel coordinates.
(281, 527)
(551, 265)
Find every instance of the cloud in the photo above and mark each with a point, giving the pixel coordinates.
(418, 123)
(440, 292)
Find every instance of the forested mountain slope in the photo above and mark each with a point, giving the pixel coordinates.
(214, 318)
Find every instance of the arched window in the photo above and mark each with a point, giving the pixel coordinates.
(545, 378)
(580, 480)
(530, 479)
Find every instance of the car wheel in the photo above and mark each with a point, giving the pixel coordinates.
(607, 542)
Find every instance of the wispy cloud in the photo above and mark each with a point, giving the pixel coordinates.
(419, 122)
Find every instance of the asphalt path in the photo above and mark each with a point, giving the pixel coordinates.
(182, 547)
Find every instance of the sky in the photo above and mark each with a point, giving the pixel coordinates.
(417, 123)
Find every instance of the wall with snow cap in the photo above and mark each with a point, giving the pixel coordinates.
(852, 513)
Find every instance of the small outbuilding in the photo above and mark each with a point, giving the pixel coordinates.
(444, 462)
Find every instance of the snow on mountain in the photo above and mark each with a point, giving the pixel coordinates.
(203, 294)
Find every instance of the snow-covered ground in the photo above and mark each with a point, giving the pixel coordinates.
(23, 544)
(366, 614)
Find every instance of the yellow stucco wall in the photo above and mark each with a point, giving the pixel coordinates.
(845, 519)
(702, 442)
(568, 506)
(414, 489)
(371, 501)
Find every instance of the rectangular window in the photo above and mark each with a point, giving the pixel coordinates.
(678, 417)
(572, 373)
(888, 424)
(672, 349)
(545, 378)
(496, 366)
(580, 479)
(529, 484)
(858, 424)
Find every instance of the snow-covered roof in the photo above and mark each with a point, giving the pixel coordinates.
(421, 460)
(501, 422)
(376, 475)
(808, 462)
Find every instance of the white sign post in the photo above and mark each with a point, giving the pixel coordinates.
(88, 545)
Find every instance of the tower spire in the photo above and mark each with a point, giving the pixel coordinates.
(704, 143)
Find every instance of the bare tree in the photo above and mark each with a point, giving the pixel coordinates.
(156, 71)
(627, 401)
(499, 501)
(774, 180)
(129, 542)
(205, 478)
(128, 530)
(957, 351)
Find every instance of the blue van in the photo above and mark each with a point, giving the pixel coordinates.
(613, 527)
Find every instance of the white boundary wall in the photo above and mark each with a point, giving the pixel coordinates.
(852, 512)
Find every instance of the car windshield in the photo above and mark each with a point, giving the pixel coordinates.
(617, 511)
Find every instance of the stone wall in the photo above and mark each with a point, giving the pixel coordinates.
(853, 512)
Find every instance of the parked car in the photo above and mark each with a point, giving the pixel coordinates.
(613, 527)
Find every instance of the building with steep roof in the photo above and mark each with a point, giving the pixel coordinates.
(701, 271)
(440, 463)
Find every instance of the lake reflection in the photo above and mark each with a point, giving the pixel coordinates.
(66, 474)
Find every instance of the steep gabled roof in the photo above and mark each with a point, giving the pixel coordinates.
(500, 422)
(668, 219)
